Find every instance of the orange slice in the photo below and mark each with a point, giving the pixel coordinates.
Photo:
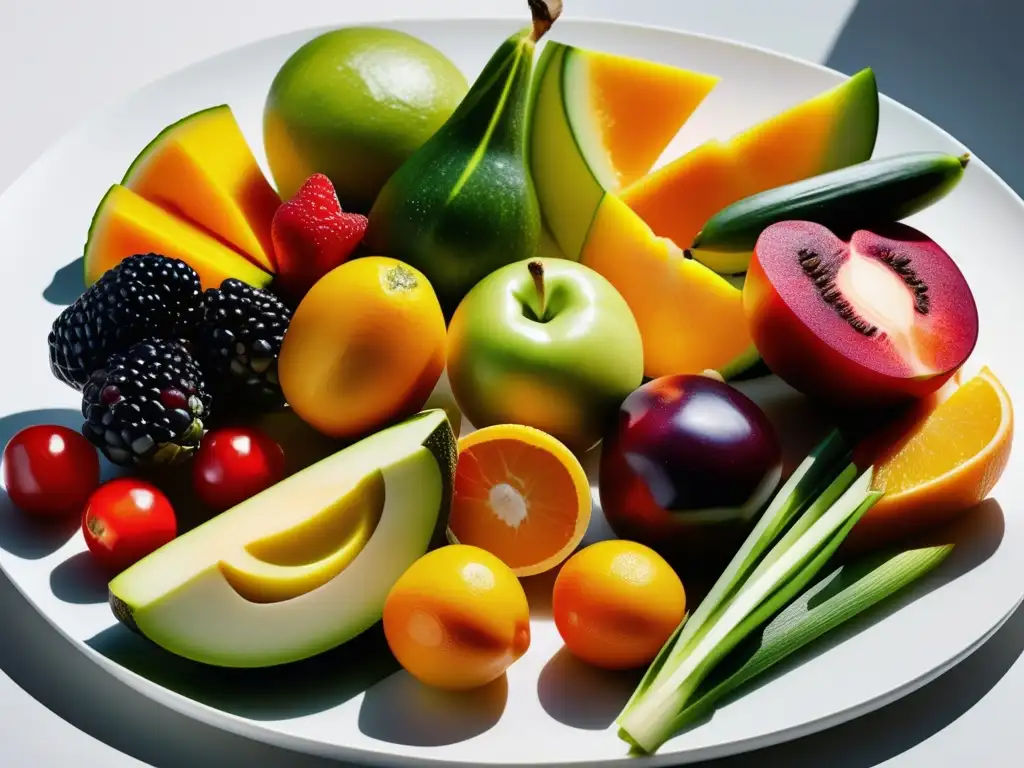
(521, 495)
(948, 463)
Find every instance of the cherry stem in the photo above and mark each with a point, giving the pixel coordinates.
(537, 273)
(545, 13)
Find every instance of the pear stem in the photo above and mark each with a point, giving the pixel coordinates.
(537, 273)
(545, 13)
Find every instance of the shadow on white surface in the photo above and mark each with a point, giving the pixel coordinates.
(67, 284)
(275, 693)
(582, 696)
(401, 710)
(78, 580)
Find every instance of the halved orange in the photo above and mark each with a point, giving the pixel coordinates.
(521, 495)
(946, 464)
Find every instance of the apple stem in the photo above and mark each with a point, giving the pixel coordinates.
(545, 13)
(537, 272)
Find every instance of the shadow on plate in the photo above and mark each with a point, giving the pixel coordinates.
(401, 710)
(79, 580)
(275, 693)
(67, 283)
(581, 696)
(21, 535)
(538, 592)
(75, 688)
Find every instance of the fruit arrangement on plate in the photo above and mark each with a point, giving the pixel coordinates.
(367, 392)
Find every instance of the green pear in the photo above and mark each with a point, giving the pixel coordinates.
(464, 204)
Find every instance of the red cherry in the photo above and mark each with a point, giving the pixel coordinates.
(125, 520)
(50, 470)
(233, 464)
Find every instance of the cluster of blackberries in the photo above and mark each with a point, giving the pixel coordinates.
(153, 355)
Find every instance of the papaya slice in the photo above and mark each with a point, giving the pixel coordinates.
(126, 224)
(690, 318)
(202, 169)
(832, 130)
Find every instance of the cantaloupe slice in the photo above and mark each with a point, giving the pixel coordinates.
(598, 122)
(202, 168)
(835, 129)
(126, 224)
(690, 318)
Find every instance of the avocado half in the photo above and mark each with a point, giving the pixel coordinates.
(303, 566)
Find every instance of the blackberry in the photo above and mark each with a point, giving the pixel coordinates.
(239, 342)
(144, 296)
(147, 405)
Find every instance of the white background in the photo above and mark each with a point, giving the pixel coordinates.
(62, 60)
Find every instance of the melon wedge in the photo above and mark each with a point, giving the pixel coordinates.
(690, 318)
(202, 168)
(599, 122)
(126, 224)
(833, 130)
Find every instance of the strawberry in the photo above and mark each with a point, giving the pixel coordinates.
(312, 236)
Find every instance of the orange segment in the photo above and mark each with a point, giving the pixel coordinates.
(521, 495)
(948, 463)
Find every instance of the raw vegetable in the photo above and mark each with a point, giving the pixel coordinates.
(819, 505)
(862, 195)
(843, 594)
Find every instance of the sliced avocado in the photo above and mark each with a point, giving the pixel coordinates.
(303, 566)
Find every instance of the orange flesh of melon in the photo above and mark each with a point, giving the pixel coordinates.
(676, 201)
(203, 169)
(689, 317)
(832, 130)
(126, 224)
(640, 106)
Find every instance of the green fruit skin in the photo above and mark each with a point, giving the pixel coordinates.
(354, 104)
(566, 376)
(464, 204)
(873, 192)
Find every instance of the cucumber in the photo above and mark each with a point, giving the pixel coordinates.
(876, 191)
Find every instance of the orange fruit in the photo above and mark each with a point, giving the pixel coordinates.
(947, 462)
(365, 348)
(615, 604)
(457, 618)
(521, 495)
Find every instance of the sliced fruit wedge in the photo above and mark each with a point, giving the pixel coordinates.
(599, 122)
(833, 130)
(690, 318)
(947, 463)
(885, 317)
(202, 168)
(521, 495)
(126, 224)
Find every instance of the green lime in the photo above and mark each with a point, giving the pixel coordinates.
(353, 104)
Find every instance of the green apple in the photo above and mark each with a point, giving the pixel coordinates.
(548, 343)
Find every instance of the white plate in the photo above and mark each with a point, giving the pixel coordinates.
(551, 709)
